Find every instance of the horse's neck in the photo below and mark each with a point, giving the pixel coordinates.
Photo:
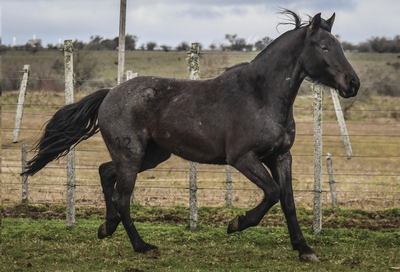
(280, 64)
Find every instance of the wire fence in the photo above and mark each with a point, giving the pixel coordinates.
(369, 180)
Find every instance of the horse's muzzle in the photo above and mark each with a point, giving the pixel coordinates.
(352, 90)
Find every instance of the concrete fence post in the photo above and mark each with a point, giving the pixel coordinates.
(69, 99)
(121, 41)
(24, 168)
(21, 101)
(194, 67)
(228, 195)
(317, 212)
(332, 182)
(129, 75)
(342, 124)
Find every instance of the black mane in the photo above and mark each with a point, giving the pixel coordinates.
(292, 18)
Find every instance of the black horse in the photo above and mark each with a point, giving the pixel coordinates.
(243, 118)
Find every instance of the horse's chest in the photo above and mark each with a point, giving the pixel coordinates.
(277, 142)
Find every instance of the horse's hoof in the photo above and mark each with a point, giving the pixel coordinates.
(233, 225)
(102, 231)
(153, 252)
(149, 249)
(311, 257)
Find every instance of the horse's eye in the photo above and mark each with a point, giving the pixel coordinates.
(324, 48)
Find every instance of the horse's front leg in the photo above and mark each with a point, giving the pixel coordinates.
(108, 179)
(282, 172)
(251, 166)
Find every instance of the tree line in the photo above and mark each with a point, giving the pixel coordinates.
(374, 44)
(234, 43)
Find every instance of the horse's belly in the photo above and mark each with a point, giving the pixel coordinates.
(192, 145)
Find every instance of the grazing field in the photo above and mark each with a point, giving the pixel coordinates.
(352, 240)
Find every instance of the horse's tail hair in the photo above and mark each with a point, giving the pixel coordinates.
(68, 127)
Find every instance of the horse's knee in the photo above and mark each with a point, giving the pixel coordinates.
(272, 195)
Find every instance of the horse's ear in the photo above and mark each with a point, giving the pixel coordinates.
(315, 22)
(331, 20)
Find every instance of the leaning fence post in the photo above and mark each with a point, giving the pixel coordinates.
(193, 63)
(317, 212)
(228, 195)
(24, 176)
(342, 124)
(69, 99)
(21, 101)
(332, 181)
(129, 75)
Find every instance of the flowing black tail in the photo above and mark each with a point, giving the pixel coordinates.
(68, 127)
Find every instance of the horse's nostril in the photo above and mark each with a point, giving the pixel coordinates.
(354, 85)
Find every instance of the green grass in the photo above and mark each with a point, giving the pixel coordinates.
(46, 245)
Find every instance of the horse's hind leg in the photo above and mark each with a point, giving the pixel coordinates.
(127, 164)
(254, 170)
(108, 179)
(154, 155)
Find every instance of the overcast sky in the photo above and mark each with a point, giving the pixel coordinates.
(172, 21)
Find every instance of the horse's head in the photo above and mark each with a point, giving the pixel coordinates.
(324, 60)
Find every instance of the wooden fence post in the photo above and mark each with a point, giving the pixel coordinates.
(121, 43)
(332, 182)
(193, 63)
(228, 195)
(342, 124)
(317, 212)
(69, 99)
(25, 176)
(21, 101)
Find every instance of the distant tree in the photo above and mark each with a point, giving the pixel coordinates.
(33, 49)
(237, 44)
(151, 45)
(166, 48)
(349, 47)
(130, 42)
(78, 45)
(379, 45)
(50, 46)
(396, 44)
(249, 47)
(94, 43)
(364, 47)
(264, 42)
(109, 44)
(184, 46)
(213, 46)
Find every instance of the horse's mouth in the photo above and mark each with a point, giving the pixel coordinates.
(351, 90)
(347, 93)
